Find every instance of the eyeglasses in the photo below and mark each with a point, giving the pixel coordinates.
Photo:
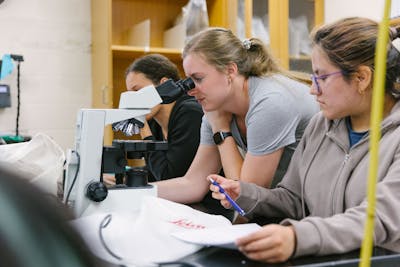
(315, 79)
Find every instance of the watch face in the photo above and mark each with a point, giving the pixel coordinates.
(218, 138)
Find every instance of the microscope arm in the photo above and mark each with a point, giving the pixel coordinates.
(89, 138)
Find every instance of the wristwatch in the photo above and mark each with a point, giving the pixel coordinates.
(219, 137)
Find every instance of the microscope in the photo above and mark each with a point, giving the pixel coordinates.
(84, 190)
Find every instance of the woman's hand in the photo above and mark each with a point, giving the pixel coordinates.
(273, 243)
(109, 179)
(145, 131)
(219, 120)
(231, 187)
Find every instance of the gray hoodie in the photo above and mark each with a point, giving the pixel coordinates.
(324, 190)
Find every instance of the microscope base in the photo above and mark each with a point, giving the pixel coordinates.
(121, 199)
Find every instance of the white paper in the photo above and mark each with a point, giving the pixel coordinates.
(217, 236)
(143, 238)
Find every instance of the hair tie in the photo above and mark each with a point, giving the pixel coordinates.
(246, 44)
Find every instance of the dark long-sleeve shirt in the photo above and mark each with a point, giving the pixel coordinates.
(183, 141)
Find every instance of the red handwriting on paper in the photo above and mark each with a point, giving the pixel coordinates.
(187, 224)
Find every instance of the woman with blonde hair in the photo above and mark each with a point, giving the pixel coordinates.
(255, 114)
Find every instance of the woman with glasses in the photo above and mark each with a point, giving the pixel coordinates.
(250, 104)
(323, 194)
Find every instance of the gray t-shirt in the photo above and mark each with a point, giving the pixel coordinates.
(279, 111)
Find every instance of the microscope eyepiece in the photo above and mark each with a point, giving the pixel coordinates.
(186, 84)
(170, 91)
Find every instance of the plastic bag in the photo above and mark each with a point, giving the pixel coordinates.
(299, 41)
(194, 16)
(259, 24)
(41, 159)
(145, 238)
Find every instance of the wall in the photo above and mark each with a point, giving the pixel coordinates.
(336, 9)
(54, 38)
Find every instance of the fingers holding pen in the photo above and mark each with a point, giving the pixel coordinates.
(216, 192)
(231, 187)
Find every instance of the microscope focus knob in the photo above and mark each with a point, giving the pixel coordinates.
(96, 191)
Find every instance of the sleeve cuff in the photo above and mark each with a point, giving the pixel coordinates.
(247, 199)
(308, 238)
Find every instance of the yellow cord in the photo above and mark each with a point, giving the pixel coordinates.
(376, 118)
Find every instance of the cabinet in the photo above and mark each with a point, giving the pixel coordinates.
(111, 55)
(279, 14)
(313, 11)
(111, 19)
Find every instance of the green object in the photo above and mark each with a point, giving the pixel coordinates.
(13, 138)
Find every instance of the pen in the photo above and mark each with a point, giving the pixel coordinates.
(233, 203)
